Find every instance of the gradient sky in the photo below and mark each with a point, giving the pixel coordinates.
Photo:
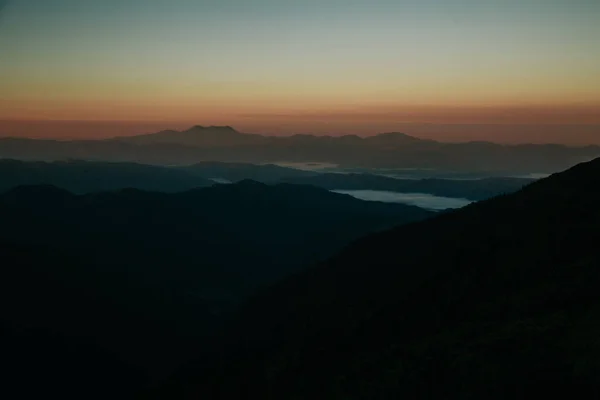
(337, 66)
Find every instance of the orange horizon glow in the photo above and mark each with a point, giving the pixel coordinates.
(503, 130)
(510, 72)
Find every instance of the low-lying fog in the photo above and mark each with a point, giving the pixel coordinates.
(422, 200)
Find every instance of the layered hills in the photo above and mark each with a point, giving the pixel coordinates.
(88, 176)
(496, 300)
(387, 150)
(114, 290)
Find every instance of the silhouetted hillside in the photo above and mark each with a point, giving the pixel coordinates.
(239, 233)
(497, 300)
(134, 281)
(282, 225)
(59, 335)
(86, 177)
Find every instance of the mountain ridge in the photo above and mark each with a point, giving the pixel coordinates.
(388, 150)
(88, 176)
(159, 270)
(494, 300)
(229, 132)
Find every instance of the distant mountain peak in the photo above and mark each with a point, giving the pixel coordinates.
(396, 135)
(225, 128)
(396, 138)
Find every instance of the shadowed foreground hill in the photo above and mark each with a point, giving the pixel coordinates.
(55, 325)
(116, 289)
(497, 300)
(249, 227)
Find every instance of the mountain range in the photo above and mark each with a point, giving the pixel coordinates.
(496, 300)
(104, 293)
(87, 177)
(282, 290)
(387, 150)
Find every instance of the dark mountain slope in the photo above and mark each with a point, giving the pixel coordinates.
(282, 226)
(142, 279)
(200, 136)
(497, 300)
(86, 177)
(54, 330)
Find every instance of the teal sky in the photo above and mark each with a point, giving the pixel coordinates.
(184, 59)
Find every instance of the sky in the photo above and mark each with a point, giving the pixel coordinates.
(459, 70)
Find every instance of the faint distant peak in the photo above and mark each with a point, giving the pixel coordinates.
(397, 138)
(350, 137)
(307, 136)
(212, 128)
(396, 135)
